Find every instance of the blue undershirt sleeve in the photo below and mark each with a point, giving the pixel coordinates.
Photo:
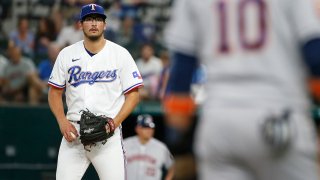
(311, 54)
(181, 72)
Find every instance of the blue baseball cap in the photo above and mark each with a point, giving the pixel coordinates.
(145, 120)
(91, 9)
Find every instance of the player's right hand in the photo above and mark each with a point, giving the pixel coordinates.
(66, 129)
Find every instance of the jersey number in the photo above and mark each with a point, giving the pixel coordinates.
(241, 8)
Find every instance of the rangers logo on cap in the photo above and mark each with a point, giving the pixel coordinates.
(92, 9)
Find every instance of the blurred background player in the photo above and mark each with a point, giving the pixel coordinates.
(256, 119)
(147, 157)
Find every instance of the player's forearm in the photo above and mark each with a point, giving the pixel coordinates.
(56, 104)
(132, 100)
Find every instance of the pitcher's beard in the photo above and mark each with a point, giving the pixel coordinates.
(94, 38)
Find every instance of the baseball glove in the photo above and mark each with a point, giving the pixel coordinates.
(95, 128)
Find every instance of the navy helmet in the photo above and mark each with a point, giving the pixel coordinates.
(145, 120)
(92, 9)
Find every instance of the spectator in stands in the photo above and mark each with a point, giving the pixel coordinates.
(145, 32)
(3, 63)
(23, 37)
(126, 35)
(70, 34)
(45, 34)
(114, 22)
(78, 2)
(45, 66)
(44, 70)
(150, 68)
(58, 20)
(130, 7)
(20, 77)
(3, 37)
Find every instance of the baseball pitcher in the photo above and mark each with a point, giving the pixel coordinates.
(100, 80)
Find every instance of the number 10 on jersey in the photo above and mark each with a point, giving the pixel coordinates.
(248, 21)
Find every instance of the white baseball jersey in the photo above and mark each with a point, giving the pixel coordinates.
(98, 82)
(250, 47)
(146, 162)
